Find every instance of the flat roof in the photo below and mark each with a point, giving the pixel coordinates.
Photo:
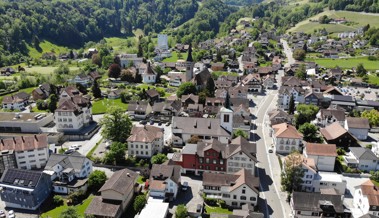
(329, 176)
(22, 117)
(156, 207)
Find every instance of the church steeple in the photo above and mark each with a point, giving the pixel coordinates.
(189, 57)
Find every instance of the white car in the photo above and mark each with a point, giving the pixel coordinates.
(2, 214)
(74, 147)
(11, 214)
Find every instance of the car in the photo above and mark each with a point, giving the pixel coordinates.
(270, 149)
(69, 151)
(199, 208)
(185, 186)
(169, 123)
(2, 214)
(151, 122)
(74, 147)
(11, 214)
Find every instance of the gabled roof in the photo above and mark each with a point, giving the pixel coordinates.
(121, 181)
(371, 191)
(338, 114)
(149, 70)
(195, 126)
(358, 123)
(145, 134)
(73, 161)
(162, 172)
(321, 149)
(202, 77)
(285, 130)
(21, 178)
(138, 106)
(152, 93)
(333, 131)
(363, 153)
(24, 143)
(194, 98)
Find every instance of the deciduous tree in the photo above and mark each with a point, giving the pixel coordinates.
(372, 116)
(291, 177)
(96, 90)
(291, 106)
(114, 71)
(158, 159)
(116, 153)
(116, 124)
(186, 89)
(240, 132)
(310, 133)
(96, 179)
(181, 211)
(299, 54)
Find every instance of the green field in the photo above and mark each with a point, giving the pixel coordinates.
(175, 58)
(346, 63)
(80, 209)
(219, 210)
(101, 106)
(46, 46)
(373, 79)
(45, 70)
(357, 19)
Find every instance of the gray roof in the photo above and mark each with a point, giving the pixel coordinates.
(138, 106)
(338, 114)
(162, 172)
(73, 161)
(344, 98)
(363, 153)
(368, 103)
(306, 201)
(199, 126)
(121, 181)
(358, 123)
(189, 149)
(21, 178)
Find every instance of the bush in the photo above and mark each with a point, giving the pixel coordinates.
(77, 197)
(210, 201)
(57, 200)
(222, 203)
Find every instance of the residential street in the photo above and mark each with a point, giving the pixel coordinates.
(287, 50)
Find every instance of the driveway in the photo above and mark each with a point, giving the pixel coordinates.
(191, 198)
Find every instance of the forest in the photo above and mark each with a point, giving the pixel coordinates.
(371, 6)
(73, 22)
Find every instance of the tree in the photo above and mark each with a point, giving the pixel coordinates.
(116, 153)
(211, 87)
(96, 90)
(324, 19)
(127, 75)
(301, 72)
(81, 88)
(202, 97)
(139, 203)
(309, 132)
(194, 139)
(181, 211)
(138, 78)
(62, 69)
(186, 89)
(52, 102)
(58, 200)
(361, 71)
(70, 212)
(116, 125)
(158, 159)
(291, 106)
(291, 177)
(372, 116)
(96, 59)
(306, 113)
(240, 132)
(114, 71)
(299, 54)
(96, 179)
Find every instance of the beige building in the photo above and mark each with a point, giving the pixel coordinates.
(286, 138)
(145, 141)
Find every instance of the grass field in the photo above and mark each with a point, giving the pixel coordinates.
(373, 79)
(46, 46)
(220, 210)
(45, 70)
(346, 63)
(175, 58)
(357, 18)
(80, 209)
(101, 106)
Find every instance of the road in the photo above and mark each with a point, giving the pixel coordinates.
(287, 50)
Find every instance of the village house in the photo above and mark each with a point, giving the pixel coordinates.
(324, 155)
(366, 198)
(167, 108)
(116, 195)
(358, 127)
(269, 82)
(164, 181)
(83, 79)
(149, 75)
(346, 102)
(235, 189)
(139, 109)
(127, 60)
(69, 173)
(29, 152)
(42, 92)
(253, 82)
(326, 117)
(24, 189)
(285, 93)
(286, 138)
(314, 98)
(219, 66)
(145, 141)
(278, 116)
(16, 102)
(361, 158)
(336, 134)
(115, 93)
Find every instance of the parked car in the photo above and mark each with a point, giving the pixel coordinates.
(74, 147)
(199, 208)
(185, 186)
(2, 214)
(169, 123)
(11, 214)
(160, 123)
(69, 151)
(271, 149)
(151, 122)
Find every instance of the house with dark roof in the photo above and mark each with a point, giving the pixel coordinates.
(42, 92)
(324, 155)
(139, 109)
(116, 195)
(24, 189)
(346, 102)
(237, 189)
(152, 95)
(200, 79)
(278, 116)
(335, 74)
(17, 101)
(215, 156)
(167, 108)
(145, 141)
(115, 93)
(286, 138)
(358, 127)
(361, 158)
(189, 99)
(69, 173)
(367, 105)
(164, 181)
(314, 98)
(317, 204)
(366, 197)
(325, 117)
(336, 134)
(83, 79)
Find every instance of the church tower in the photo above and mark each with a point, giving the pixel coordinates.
(189, 64)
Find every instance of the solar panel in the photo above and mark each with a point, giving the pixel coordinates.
(21, 178)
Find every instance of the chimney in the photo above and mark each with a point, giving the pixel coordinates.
(128, 174)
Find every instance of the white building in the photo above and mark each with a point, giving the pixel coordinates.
(16, 102)
(164, 181)
(156, 207)
(361, 158)
(241, 155)
(329, 180)
(24, 122)
(235, 189)
(74, 111)
(285, 93)
(145, 141)
(68, 172)
(139, 109)
(324, 155)
(31, 152)
(366, 198)
(162, 42)
(286, 138)
(129, 59)
(149, 75)
(358, 127)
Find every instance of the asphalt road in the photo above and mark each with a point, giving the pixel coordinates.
(287, 50)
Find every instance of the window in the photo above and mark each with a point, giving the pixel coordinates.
(207, 167)
(234, 196)
(214, 161)
(226, 195)
(201, 167)
(146, 147)
(226, 118)
(136, 152)
(243, 191)
(234, 203)
(207, 160)
(216, 168)
(206, 153)
(253, 198)
(221, 161)
(243, 197)
(201, 160)
(131, 145)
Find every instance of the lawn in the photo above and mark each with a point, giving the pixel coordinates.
(100, 107)
(373, 79)
(80, 208)
(146, 86)
(140, 180)
(122, 45)
(346, 63)
(45, 70)
(175, 58)
(46, 46)
(220, 210)
(357, 19)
